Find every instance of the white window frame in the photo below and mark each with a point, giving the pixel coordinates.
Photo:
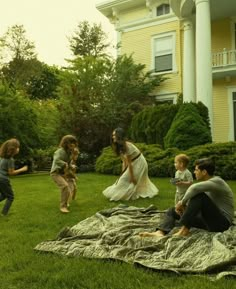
(162, 5)
(167, 97)
(231, 113)
(173, 51)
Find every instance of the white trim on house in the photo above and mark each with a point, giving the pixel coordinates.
(167, 97)
(171, 34)
(231, 89)
(146, 22)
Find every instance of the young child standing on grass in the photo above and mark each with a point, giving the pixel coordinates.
(8, 150)
(183, 177)
(61, 161)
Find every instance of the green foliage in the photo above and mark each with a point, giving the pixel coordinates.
(88, 40)
(22, 70)
(188, 129)
(43, 84)
(203, 111)
(32, 77)
(223, 153)
(161, 162)
(152, 124)
(18, 119)
(15, 45)
(43, 158)
(109, 163)
(18, 72)
(47, 122)
(98, 94)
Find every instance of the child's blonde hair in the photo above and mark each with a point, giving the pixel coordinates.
(183, 158)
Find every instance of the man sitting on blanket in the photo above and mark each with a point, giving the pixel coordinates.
(210, 204)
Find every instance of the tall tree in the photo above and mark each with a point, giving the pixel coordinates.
(24, 71)
(99, 93)
(88, 40)
(18, 119)
(15, 45)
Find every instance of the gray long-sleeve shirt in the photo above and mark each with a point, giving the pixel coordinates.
(218, 191)
(60, 158)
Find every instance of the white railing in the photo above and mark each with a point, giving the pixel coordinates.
(224, 58)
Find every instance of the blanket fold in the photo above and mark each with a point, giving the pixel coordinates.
(114, 234)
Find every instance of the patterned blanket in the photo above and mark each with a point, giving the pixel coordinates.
(114, 234)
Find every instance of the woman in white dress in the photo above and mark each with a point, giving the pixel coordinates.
(134, 181)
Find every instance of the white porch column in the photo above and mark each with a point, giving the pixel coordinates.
(203, 55)
(189, 85)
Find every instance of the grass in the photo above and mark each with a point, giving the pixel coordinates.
(35, 217)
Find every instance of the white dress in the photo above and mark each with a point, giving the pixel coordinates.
(122, 189)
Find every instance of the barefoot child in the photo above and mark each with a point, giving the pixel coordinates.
(183, 180)
(61, 161)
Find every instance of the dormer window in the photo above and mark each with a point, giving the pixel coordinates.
(163, 9)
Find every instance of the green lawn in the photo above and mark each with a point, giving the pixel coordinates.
(35, 217)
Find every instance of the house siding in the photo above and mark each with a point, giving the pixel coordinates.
(221, 108)
(128, 16)
(137, 27)
(133, 43)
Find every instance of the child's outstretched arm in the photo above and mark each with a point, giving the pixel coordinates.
(13, 172)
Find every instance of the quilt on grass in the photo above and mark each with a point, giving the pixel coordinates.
(114, 234)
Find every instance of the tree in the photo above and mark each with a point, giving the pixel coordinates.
(24, 71)
(88, 40)
(188, 128)
(99, 93)
(47, 122)
(18, 119)
(43, 83)
(15, 45)
(152, 123)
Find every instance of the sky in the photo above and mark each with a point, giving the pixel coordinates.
(49, 23)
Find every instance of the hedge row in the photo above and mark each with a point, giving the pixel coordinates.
(161, 162)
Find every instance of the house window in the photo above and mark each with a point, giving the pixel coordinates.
(163, 53)
(163, 9)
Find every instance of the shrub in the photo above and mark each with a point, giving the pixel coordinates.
(152, 124)
(109, 163)
(188, 129)
(161, 162)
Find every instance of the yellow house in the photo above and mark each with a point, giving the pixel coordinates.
(193, 42)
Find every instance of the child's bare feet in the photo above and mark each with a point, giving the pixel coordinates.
(158, 233)
(184, 231)
(64, 210)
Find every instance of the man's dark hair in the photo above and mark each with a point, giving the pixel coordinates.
(206, 164)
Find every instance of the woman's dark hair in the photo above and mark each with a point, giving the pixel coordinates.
(9, 148)
(207, 164)
(119, 146)
(67, 140)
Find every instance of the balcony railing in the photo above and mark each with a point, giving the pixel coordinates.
(224, 58)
